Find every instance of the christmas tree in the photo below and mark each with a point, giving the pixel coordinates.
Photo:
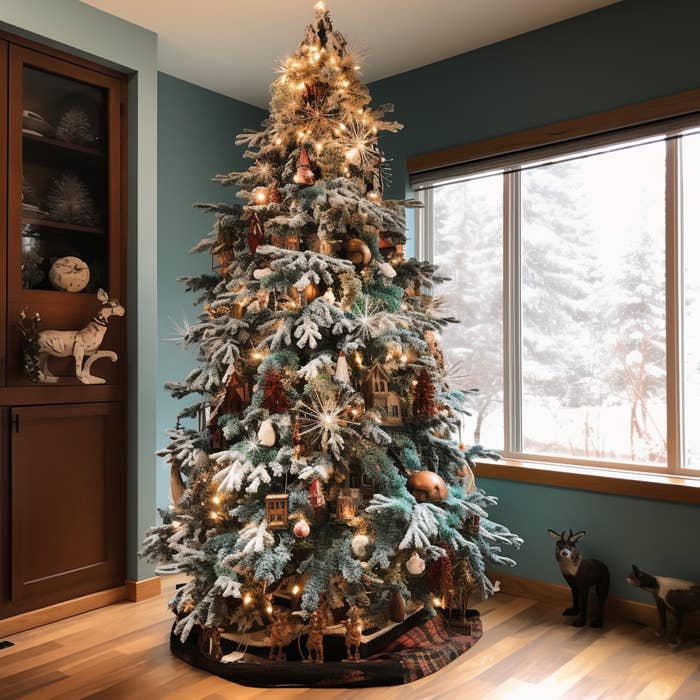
(322, 477)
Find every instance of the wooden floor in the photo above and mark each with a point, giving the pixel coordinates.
(528, 651)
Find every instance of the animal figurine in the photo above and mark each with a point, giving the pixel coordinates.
(353, 634)
(281, 634)
(83, 345)
(210, 642)
(314, 643)
(679, 596)
(581, 575)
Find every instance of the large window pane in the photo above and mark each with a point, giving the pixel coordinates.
(593, 307)
(468, 247)
(691, 307)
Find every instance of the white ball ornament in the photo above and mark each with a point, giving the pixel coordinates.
(302, 529)
(359, 545)
(415, 565)
(266, 433)
(69, 274)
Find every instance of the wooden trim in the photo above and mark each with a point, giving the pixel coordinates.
(660, 487)
(680, 104)
(137, 591)
(674, 299)
(57, 53)
(4, 90)
(60, 611)
(560, 595)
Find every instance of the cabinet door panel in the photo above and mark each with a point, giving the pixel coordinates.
(67, 502)
(3, 206)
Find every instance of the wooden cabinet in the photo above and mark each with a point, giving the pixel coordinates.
(62, 445)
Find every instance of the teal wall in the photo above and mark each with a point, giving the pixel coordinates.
(196, 133)
(628, 52)
(86, 31)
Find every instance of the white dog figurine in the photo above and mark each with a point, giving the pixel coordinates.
(83, 345)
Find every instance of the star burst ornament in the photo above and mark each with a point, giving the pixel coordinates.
(360, 140)
(371, 320)
(323, 418)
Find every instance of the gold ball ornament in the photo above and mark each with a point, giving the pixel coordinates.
(357, 251)
(308, 295)
(427, 487)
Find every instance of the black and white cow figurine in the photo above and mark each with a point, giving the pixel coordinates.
(582, 575)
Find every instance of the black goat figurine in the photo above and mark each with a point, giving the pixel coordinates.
(581, 575)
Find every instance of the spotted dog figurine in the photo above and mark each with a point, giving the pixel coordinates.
(674, 594)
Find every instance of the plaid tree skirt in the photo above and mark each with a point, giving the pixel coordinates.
(416, 653)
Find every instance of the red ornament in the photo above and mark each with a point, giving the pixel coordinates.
(255, 234)
(304, 174)
(274, 194)
(439, 576)
(316, 498)
(424, 396)
(275, 397)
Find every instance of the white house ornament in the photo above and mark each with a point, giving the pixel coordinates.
(83, 345)
(69, 274)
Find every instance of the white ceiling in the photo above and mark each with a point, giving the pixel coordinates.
(232, 46)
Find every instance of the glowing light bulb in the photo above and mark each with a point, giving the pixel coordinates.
(247, 599)
(216, 500)
(278, 141)
(268, 610)
(295, 589)
(214, 515)
(320, 6)
(403, 359)
(437, 602)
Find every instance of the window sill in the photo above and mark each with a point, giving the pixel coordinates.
(658, 487)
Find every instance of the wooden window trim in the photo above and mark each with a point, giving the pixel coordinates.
(669, 107)
(660, 487)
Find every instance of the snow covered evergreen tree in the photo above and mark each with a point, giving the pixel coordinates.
(322, 473)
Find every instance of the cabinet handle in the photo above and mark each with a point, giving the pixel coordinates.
(15, 421)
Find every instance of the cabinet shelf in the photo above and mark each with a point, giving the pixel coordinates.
(47, 223)
(65, 145)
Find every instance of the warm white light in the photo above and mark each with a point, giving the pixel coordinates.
(320, 6)
(268, 610)
(295, 590)
(437, 602)
(247, 599)
(403, 359)
(213, 515)
(216, 500)
(176, 524)
(278, 141)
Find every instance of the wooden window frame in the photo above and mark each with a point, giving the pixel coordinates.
(672, 482)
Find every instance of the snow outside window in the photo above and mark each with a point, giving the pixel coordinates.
(578, 371)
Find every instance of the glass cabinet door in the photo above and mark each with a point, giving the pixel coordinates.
(64, 213)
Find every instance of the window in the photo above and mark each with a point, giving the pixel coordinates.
(577, 279)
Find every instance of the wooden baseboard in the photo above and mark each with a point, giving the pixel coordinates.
(560, 596)
(60, 611)
(142, 590)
